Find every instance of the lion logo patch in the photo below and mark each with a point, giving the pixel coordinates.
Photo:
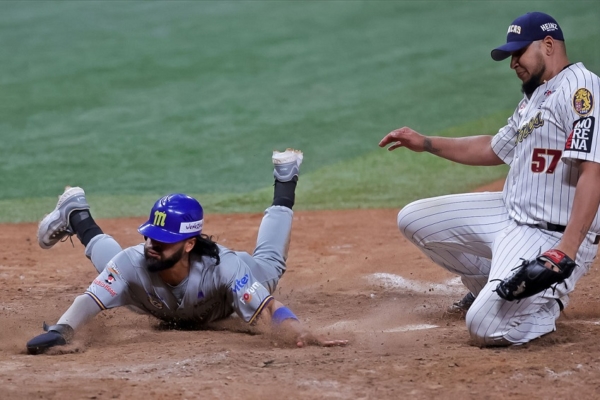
(583, 102)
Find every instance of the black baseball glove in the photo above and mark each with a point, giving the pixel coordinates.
(56, 335)
(533, 276)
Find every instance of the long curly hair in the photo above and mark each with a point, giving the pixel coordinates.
(205, 246)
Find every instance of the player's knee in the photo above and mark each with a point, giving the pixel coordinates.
(483, 328)
(405, 220)
(408, 220)
(475, 328)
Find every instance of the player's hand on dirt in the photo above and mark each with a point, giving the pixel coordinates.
(308, 338)
(56, 335)
(404, 137)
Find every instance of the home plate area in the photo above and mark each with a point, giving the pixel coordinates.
(350, 276)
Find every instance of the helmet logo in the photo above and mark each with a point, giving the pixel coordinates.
(159, 218)
(191, 227)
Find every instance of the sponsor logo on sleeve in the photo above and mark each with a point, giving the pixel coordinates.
(240, 283)
(113, 268)
(581, 136)
(105, 286)
(583, 102)
(247, 296)
(110, 278)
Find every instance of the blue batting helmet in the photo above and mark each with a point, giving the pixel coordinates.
(174, 218)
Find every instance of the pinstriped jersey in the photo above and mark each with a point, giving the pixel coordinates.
(542, 142)
(212, 292)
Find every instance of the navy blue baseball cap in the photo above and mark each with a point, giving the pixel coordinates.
(527, 29)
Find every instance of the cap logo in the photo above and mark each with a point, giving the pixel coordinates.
(159, 218)
(514, 29)
(190, 227)
(549, 27)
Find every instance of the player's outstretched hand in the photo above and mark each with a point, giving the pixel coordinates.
(404, 137)
(56, 335)
(308, 338)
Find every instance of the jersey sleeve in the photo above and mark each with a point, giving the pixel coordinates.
(248, 296)
(580, 115)
(504, 142)
(109, 289)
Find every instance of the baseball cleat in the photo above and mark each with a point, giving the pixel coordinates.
(287, 164)
(56, 226)
(463, 305)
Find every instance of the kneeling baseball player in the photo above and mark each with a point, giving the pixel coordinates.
(179, 274)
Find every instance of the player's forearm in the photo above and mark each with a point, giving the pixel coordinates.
(472, 150)
(82, 310)
(585, 207)
(284, 323)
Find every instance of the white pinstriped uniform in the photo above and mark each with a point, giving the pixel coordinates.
(483, 236)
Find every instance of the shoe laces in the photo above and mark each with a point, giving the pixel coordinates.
(62, 231)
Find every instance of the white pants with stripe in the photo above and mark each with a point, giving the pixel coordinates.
(472, 236)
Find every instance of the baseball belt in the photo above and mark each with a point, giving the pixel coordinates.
(560, 228)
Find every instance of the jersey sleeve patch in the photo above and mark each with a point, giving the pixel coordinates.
(106, 284)
(249, 296)
(582, 135)
(109, 289)
(583, 102)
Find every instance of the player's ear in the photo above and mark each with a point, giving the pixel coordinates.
(189, 244)
(548, 46)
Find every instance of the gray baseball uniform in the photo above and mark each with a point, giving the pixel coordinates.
(241, 283)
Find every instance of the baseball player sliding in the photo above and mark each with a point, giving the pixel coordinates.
(179, 274)
(521, 251)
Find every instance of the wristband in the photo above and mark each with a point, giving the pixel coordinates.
(281, 314)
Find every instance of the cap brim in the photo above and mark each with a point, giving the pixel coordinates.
(504, 51)
(161, 235)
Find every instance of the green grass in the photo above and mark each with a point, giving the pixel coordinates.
(376, 179)
(132, 100)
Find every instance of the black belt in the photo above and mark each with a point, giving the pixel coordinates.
(560, 228)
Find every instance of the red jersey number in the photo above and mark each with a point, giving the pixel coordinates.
(545, 160)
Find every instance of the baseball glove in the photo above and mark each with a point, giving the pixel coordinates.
(533, 276)
(56, 335)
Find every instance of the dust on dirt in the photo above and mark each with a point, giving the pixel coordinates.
(350, 276)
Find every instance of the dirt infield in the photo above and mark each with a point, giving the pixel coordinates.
(350, 275)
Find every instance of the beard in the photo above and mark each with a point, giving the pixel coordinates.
(156, 265)
(533, 83)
